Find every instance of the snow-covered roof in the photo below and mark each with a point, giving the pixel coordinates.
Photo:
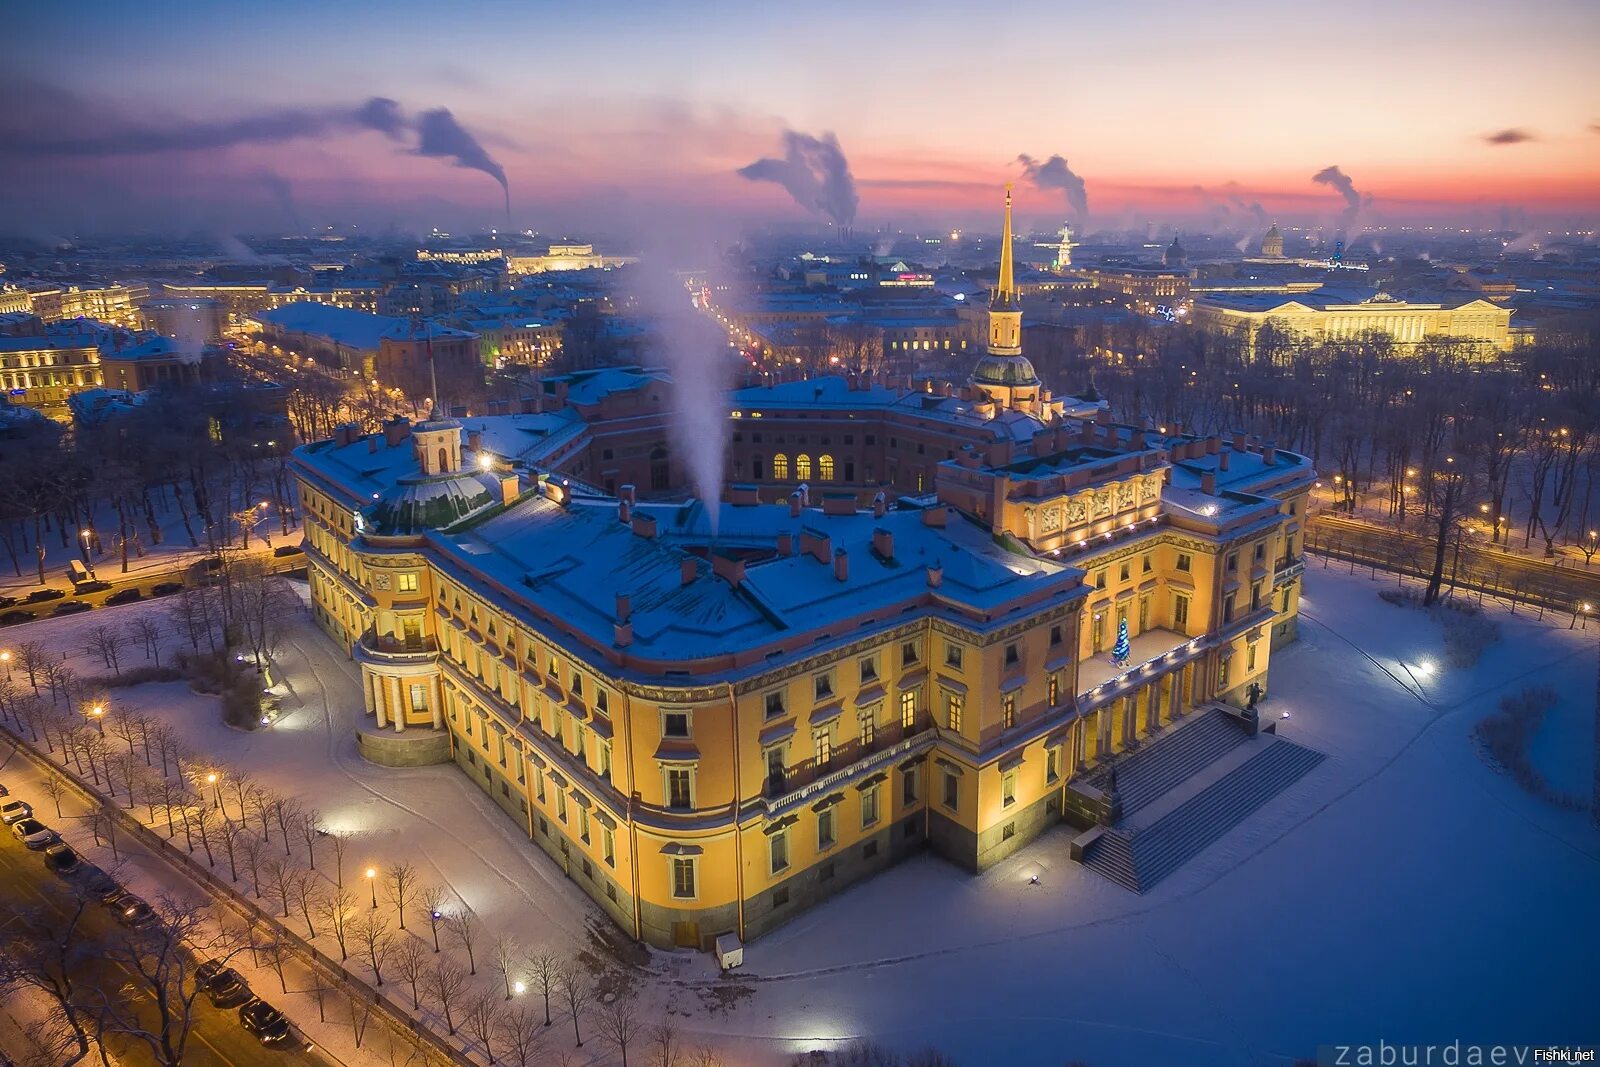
(354, 329)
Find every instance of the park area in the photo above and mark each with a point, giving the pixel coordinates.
(1417, 885)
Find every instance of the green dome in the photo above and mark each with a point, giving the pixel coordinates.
(417, 504)
(1004, 370)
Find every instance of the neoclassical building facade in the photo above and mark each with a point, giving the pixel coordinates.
(894, 638)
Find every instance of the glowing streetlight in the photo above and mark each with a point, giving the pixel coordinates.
(372, 883)
(214, 779)
(485, 461)
(98, 712)
(518, 988)
(5, 658)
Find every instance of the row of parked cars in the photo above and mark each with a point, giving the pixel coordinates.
(223, 986)
(24, 609)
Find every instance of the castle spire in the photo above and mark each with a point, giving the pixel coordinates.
(1005, 293)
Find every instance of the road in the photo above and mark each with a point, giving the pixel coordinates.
(1563, 587)
(144, 581)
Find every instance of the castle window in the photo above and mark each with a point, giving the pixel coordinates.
(780, 467)
(825, 468)
(802, 467)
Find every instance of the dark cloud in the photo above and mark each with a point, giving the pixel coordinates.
(1053, 173)
(1515, 135)
(815, 172)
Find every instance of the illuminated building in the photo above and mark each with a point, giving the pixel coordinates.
(1331, 314)
(566, 257)
(1147, 288)
(1272, 243)
(710, 733)
(39, 372)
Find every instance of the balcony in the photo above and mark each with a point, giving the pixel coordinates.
(1287, 570)
(386, 648)
(853, 759)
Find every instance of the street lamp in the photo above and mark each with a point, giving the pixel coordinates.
(372, 883)
(5, 658)
(99, 713)
(214, 779)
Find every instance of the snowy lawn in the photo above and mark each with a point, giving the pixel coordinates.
(1402, 890)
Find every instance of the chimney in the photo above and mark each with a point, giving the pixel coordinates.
(474, 440)
(622, 634)
(687, 570)
(786, 543)
(557, 493)
(1213, 444)
(630, 494)
(795, 504)
(396, 430)
(815, 544)
(880, 504)
(727, 567)
(1102, 415)
(372, 442)
(624, 607)
(1222, 460)
(1136, 440)
(935, 575)
(1269, 453)
(935, 516)
(1238, 441)
(841, 565)
(838, 503)
(883, 543)
(644, 525)
(624, 511)
(744, 496)
(1176, 426)
(1208, 483)
(510, 488)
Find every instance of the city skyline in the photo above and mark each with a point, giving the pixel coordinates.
(606, 119)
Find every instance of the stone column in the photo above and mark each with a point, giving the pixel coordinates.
(1102, 743)
(379, 707)
(366, 690)
(436, 702)
(396, 708)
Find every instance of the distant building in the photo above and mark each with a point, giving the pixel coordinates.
(1272, 243)
(159, 361)
(395, 352)
(1335, 313)
(43, 371)
(566, 257)
(198, 319)
(1148, 288)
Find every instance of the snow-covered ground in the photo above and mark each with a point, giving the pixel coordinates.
(1402, 890)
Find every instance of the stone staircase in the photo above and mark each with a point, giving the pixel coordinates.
(1150, 772)
(1138, 859)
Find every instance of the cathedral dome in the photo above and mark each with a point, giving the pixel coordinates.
(1004, 370)
(417, 504)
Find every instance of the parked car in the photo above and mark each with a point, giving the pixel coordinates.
(266, 1022)
(225, 987)
(98, 884)
(209, 563)
(72, 607)
(123, 596)
(4, 792)
(131, 911)
(14, 811)
(289, 550)
(93, 585)
(166, 588)
(40, 595)
(62, 859)
(35, 834)
(13, 617)
(7, 601)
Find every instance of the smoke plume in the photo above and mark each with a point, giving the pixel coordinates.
(441, 136)
(1354, 200)
(1512, 136)
(436, 132)
(815, 172)
(1053, 173)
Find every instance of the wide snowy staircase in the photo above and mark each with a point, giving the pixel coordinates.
(1137, 857)
(1174, 758)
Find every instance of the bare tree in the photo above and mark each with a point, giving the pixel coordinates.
(444, 982)
(33, 658)
(545, 969)
(464, 929)
(664, 1043)
(619, 1024)
(255, 855)
(410, 961)
(107, 642)
(373, 934)
(243, 787)
(310, 827)
(147, 631)
(521, 1034)
(306, 892)
(286, 813)
(42, 953)
(506, 957)
(400, 885)
(260, 803)
(55, 789)
(228, 833)
(576, 993)
(432, 898)
(167, 746)
(279, 876)
(337, 910)
(482, 1020)
(341, 845)
(160, 962)
(125, 728)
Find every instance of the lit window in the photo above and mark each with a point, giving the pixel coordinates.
(780, 467)
(1008, 710)
(954, 705)
(408, 583)
(802, 467)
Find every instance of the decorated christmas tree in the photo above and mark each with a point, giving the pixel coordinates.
(1121, 650)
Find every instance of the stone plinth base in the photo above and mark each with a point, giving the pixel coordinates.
(412, 748)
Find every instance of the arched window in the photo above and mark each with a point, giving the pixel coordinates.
(825, 468)
(780, 467)
(802, 467)
(444, 462)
